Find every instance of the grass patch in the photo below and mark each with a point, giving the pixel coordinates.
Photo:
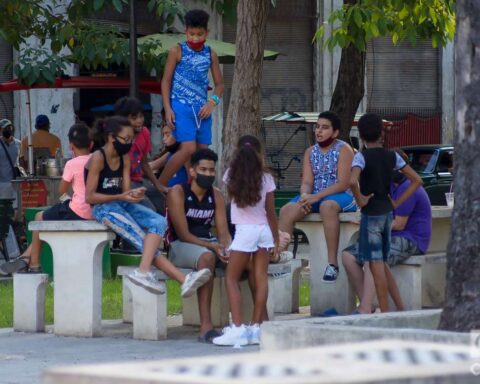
(111, 303)
(112, 300)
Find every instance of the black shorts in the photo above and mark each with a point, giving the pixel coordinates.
(60, 211)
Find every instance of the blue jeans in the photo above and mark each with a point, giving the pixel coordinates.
(130, 221)
(374, 241)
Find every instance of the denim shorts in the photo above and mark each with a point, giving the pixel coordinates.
(130, 221)
(187, 128)
(375, 235)
(60, 211)
(343, 199)
(401, 249)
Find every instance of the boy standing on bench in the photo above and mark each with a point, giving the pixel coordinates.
(375, 167)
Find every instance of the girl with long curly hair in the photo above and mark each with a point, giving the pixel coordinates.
(251, 189)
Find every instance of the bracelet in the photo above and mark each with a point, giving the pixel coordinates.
(215, 99)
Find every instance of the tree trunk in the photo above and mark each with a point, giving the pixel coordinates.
(461, 311)
(244, 109)
(349, 89)
(350, 86)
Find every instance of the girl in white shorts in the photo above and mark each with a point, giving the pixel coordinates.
(251, 189)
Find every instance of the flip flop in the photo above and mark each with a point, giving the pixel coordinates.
(209, 336)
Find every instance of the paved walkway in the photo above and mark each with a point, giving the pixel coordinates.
(24, 356)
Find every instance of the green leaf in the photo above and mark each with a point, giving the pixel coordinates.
(98, 4)
(357, 16)
(403, 13)
(118, 5)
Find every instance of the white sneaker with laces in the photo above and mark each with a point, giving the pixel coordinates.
(232, 336)
(253, 333)
(195, 280)
(147, 281)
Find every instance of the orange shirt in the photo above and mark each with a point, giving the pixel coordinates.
(41, 139)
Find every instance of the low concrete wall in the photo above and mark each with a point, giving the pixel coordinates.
(411, 325)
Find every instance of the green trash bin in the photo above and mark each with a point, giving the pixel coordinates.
(46, 258)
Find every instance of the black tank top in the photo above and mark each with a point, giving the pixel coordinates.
(109, 181)
(199, 214)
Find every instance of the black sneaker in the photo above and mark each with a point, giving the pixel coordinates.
(331, 274)
(13, 266)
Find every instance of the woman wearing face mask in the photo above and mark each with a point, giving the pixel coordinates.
(324, 189)
(107, 176)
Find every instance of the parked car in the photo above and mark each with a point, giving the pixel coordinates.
(434, 164)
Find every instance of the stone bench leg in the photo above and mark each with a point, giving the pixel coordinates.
(127, 301)
(409, 282)
(247, 300)
(149, 313)
(29, 302)
(287, 289)
(77, 269)
(219, 310)
(327, 295)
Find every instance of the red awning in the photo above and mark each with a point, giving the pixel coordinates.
(146, 86)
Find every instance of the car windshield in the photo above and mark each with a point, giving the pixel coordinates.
(423, 160)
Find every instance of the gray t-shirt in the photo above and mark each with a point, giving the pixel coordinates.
(6, 172)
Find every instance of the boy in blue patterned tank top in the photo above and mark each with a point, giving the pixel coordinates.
(187, 106)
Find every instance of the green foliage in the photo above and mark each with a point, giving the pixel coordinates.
(72, 38)
(410, 20)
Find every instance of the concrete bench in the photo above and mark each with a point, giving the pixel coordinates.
(338, 295)
(29, 302)
(148, 312)
(421, 280)
(77, 248)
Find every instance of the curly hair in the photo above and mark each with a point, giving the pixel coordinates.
(245, 175)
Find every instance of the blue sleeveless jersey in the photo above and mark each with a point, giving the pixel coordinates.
(190, 80)
(325, 166)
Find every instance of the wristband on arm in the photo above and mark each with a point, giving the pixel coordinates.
(215, 99)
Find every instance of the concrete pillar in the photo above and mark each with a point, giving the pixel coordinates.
(326, 62)
(77, 268)
(409, 282)
(327, 295)
(127, 300)
(448, 93)
(149, 313)
(219, 309)
(29, 302)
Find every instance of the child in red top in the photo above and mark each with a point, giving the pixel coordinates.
(132, 108)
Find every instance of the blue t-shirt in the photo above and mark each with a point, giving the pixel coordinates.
(419, 211)
(190, 79)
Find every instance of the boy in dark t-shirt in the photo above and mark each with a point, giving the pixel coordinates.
(375, 166)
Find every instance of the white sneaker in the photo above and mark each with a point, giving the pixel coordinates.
(253, 334)
(195, 280)
(232, 336)
(147, 281)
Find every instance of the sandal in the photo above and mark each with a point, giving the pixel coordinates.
(15, 265)
(209, 336)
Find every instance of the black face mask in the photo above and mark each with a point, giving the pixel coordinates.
(173, 148)
(204, 181)
(7, 132)
(398, 177)
(121, 148)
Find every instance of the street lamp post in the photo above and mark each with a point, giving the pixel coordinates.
(133, 52)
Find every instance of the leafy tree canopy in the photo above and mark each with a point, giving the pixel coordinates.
(359, 21)
(67, 35)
